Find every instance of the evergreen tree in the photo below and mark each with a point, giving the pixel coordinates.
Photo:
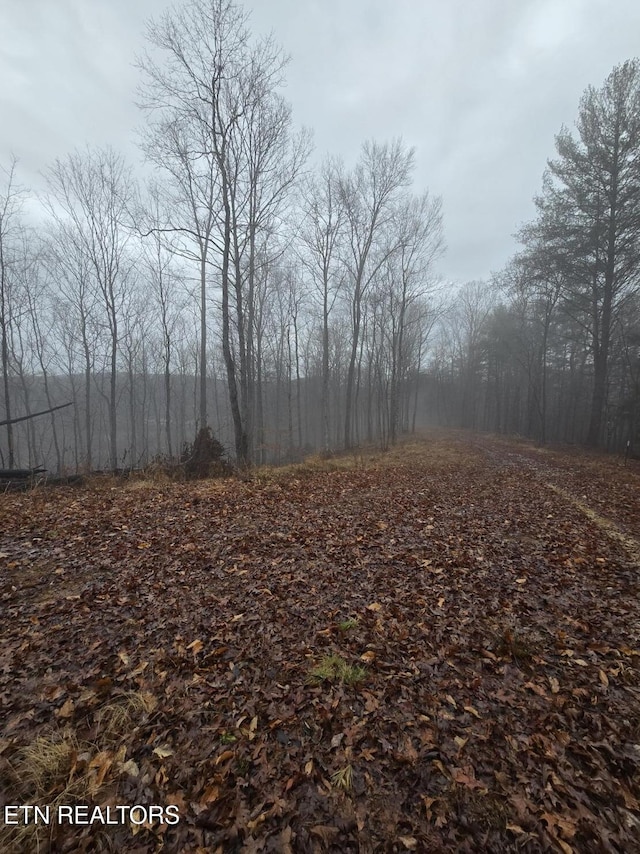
(589, 218)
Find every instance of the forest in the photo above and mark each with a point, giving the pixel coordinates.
(292, 303)
(330, 553)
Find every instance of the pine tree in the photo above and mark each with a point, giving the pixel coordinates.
(589, 217)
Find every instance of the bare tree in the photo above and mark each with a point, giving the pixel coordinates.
(224, 134)
(411, 280)
(11, 199)
(197, 49)
(167, 287)
(368, 195)
(320, 236)
(267, 159)
(91, 193)
(75, 312)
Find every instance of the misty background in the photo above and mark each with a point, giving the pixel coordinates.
(466, 99)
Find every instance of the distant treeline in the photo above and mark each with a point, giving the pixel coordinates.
(290, 307)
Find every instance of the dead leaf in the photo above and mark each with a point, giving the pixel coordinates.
(565, 825)
(130, 767)
(196, 646)
(98, 767)
(163, 751)
(466, 777)
(67, 709)
(537, 689)
(327, 833)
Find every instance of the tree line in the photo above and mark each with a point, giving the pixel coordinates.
(284, 305)
(550, 347)
(293, 306)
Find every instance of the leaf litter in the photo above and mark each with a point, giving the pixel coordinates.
(431, 651)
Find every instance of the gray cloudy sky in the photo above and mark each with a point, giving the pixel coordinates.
(479, 87)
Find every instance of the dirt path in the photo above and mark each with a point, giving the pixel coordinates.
(601, 487)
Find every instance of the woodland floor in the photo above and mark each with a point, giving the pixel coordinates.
(436, 649)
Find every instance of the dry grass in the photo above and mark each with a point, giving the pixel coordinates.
(119, 717)
(99, 483)
(57, 769)
(47, 763)
(45, 774)
(431, 451)
(343, 779)
(152, 484)
(434, 450)
(311, 465)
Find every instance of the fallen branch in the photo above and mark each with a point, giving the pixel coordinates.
(20, 474)
(34, 414)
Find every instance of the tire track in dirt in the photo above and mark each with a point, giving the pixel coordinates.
(630, 544)
(542, 471)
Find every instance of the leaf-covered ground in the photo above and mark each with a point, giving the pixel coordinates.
(435, 650)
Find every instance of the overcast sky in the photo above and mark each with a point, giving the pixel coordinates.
(479, 87)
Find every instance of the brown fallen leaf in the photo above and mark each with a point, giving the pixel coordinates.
(98, 767)
(565, 825)
(130, 767)
(209, 795)
(537, 689)
(305, 553)
(163, 751)
(196, 646)
(66, 710)
(466, 777)
(327, 833)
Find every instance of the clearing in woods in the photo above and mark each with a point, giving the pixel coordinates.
(434, 649)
